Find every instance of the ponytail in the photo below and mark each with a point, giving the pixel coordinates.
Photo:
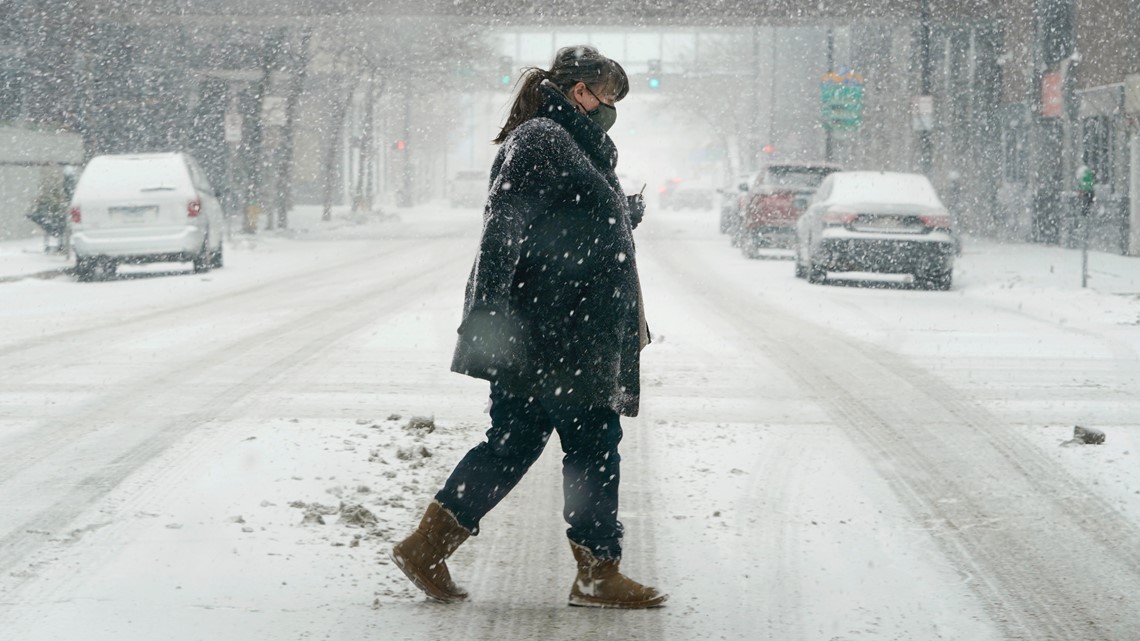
(527, 101)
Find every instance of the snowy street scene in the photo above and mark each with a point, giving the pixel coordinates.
(230, 455)
(640, 321)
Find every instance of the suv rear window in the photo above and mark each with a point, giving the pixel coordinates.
(133, 174)
(797, 177)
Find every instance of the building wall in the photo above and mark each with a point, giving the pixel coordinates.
(1108, 38)
(1016, 23)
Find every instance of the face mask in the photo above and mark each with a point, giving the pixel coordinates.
(603, 115)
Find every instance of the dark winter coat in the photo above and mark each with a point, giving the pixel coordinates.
(552, 306)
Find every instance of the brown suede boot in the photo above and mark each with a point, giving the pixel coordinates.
(421, 556)
(601, 585)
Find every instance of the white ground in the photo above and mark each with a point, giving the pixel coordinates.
(812, 462)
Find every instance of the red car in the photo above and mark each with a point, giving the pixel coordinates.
(774, 202)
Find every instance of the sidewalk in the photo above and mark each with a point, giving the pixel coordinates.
(25, 258)
(1025, 264)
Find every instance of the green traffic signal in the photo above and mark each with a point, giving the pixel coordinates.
(506, 70)
(653, 68)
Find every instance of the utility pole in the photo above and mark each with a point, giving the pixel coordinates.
(255, 195)
(300, 66)
(773, 35)
(1086, 182)
(925, 144)
(368, 146)
(828, 141)
(753, 155)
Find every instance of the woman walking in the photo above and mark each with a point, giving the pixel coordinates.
(553, 319)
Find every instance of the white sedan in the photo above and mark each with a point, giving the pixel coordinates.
(875, 221)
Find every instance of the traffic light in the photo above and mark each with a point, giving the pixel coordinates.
(400, 145)
(506, 71)
(655, 74)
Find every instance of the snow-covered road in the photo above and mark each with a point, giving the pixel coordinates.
(182, 454)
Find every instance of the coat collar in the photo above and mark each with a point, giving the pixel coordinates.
(589, 136)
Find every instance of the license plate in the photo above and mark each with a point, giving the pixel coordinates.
(132, 213)
(896, 223)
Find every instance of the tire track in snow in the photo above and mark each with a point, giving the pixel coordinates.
(727, 596)
(287, 345)
(50, 436)
(1049, 559)
(27, 357)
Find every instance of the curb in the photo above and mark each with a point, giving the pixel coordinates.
(44, 275)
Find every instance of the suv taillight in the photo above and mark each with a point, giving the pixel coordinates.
(194, 208)
(76, 215)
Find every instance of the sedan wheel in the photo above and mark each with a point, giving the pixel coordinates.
(938, 281)
(815, 273)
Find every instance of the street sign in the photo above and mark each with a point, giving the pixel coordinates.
(232, 127)
(922, 113)
(1052, 95)
(1086, 180)
(841, 101)
(273, 111)
(1132, 93)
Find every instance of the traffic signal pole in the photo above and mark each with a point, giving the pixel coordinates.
(828, 142)
(1086, 187)
(925, 144)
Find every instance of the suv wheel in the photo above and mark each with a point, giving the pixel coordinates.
(748, 247)
(203, 259)
(85, 269)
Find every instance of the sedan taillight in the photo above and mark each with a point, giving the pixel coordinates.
(936, 221)
(76, 215)
(194, 208)
(839, 217)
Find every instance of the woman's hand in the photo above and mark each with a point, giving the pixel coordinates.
(636, 209)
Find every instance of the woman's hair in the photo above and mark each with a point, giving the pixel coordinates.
(581, 63)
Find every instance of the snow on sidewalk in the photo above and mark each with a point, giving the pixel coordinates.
(26, 257)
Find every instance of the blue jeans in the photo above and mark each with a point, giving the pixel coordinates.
(519, 430)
